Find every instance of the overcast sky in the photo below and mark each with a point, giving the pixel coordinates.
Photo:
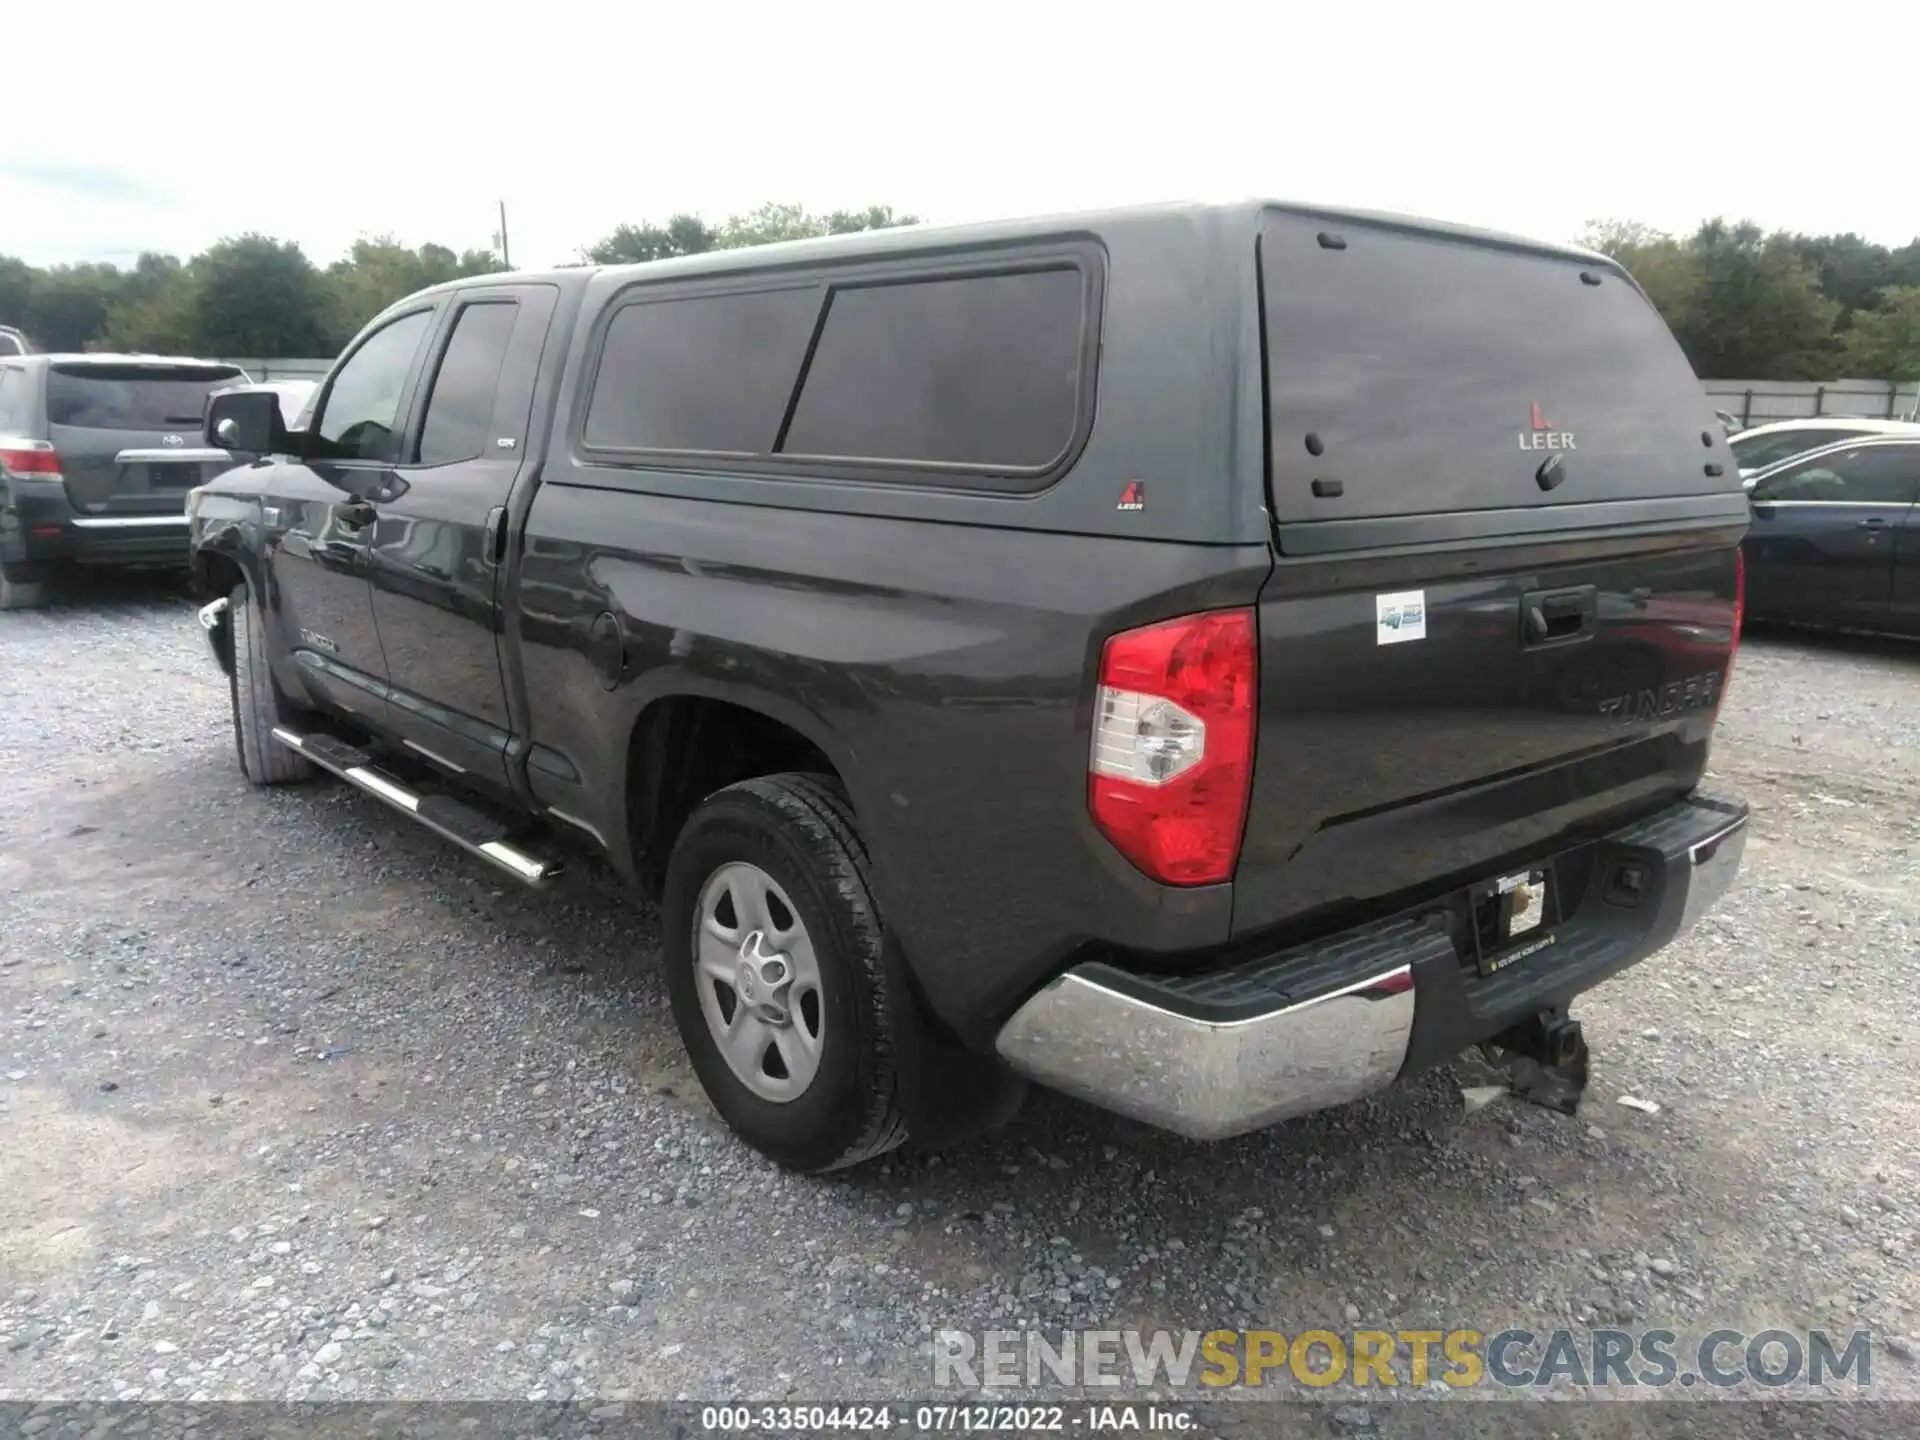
(165, 127)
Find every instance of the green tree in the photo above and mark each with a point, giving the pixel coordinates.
(259, 296)
(380, 270)
(1851, 270)
(1760, 311)
(156, 309)
(1741, 303)
(17, 280)
(635, 244)
(1884, 342)
(1666, 268)
(874, 217)
(481, 262)
(774, 222)
(686, 234)
(67, 309)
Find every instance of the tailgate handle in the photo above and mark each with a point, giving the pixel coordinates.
(1551, 616)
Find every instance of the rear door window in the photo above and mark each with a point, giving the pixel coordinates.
(132, 397)
(459, 418)
(1415, 373)
(981, 371)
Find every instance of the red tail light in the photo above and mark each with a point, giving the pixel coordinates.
(1739, 599)
(1173, 745)
(38, 460)
(1739, 618)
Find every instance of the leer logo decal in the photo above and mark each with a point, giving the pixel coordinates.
(1134, 497)
(1540, 434)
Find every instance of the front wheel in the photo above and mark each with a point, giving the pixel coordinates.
(772, 944)
(258, 705)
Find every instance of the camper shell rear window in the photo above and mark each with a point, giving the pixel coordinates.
(1415, 373)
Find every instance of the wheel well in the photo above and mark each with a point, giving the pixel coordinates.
(686, 747)
(215, 575)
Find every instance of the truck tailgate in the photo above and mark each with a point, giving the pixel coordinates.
(1399, 753)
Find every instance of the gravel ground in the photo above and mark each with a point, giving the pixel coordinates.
(296, 1102)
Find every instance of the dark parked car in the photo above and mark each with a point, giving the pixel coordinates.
(97, 454)
(1835, 539)
(1212, 660)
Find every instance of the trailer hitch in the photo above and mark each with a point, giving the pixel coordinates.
(1543, 1059)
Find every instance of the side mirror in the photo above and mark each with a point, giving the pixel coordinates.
(245, 422)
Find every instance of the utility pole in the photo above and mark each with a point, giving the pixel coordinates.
(505, 259)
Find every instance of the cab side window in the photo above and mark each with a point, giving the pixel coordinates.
(458, 423)
(359, 417)
(1877, 475)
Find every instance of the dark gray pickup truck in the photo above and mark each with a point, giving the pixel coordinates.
(1209, 660)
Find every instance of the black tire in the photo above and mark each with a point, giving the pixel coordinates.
(258, 705)
(22, 587)
(801, 831)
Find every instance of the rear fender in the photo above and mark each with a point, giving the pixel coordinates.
(661, 684)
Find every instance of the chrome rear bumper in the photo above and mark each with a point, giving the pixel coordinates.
(1232, 1051)
(1206, 1079)
(1712, 866)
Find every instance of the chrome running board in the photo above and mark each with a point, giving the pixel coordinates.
(447, 818)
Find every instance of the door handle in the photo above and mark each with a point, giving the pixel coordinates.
(356, 515)
(1873, 523)
(496, 535)
(1550, 616)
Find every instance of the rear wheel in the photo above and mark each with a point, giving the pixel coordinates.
(22, 587)
(774, 964)
(258, 705)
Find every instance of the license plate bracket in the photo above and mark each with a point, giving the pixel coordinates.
(1514, 916)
